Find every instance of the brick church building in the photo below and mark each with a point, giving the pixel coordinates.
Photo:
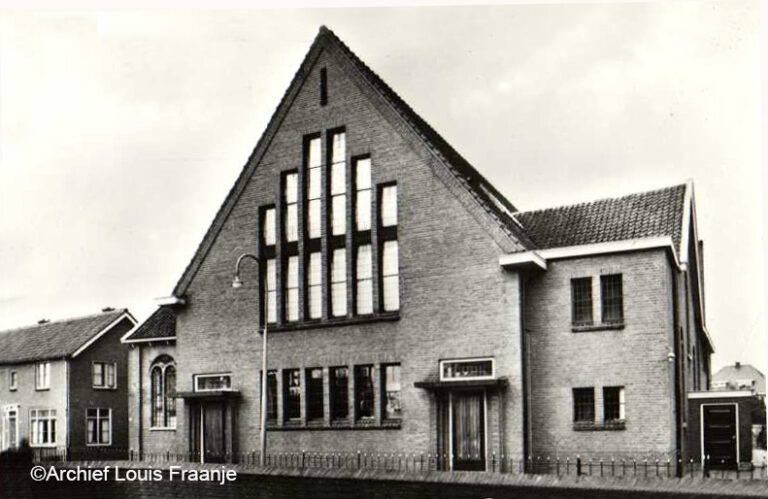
(412, 308)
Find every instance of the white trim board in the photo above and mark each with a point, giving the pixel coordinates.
(720, 395)
(104, 331)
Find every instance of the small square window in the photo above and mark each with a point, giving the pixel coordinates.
(103, 374)
(13, 380)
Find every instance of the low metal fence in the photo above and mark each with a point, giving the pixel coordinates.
(427, 462)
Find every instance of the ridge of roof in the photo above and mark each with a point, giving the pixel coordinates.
(654, 213)
(465, 173)
(79, 318)
(602, 200)
(60, 339)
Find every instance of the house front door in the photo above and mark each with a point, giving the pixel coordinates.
(720, 435)
(208, 438)
(9, 426)
(461, 438)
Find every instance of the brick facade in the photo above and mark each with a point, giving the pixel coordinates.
(456, 301)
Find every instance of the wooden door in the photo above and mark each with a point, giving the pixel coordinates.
(720, 438)
(468, 417)
(207, 432)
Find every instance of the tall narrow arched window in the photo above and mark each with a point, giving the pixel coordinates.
(163, 390)
(170, 401)
(157, 396)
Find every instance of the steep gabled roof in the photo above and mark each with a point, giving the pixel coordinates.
(737, 372)
(161, 325)
(492, 202)
(54, 340)
(642, 215)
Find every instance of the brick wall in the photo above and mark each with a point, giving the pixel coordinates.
(84, 396)
(455, 299)
(634, 357)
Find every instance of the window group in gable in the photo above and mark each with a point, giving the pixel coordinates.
(310, 283)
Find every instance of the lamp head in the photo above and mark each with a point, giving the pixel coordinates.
(236, 282)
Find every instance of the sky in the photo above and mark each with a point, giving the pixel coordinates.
(121, 132)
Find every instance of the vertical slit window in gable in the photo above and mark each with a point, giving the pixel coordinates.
(268, 233)
(323, 86)
(389, 206)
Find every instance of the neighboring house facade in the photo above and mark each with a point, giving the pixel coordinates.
(412, 308)
(739, 377)
(63, 384)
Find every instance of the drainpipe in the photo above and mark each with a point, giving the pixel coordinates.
(525, 372)
(141, 404)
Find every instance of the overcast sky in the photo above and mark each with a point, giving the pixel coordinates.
(121, 133)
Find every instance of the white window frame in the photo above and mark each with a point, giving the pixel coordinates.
(45, 384)
(13, 381)
(98, 428)
(105, 366)
(468, 378)
(33, 429)
(197, 377)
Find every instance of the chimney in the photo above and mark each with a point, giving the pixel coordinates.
(43, 321)
(108, 309)
(738, 365)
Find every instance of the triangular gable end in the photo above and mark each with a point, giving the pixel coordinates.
(480, 198)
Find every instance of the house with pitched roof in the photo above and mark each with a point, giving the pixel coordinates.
(63, 385)
(412, 308)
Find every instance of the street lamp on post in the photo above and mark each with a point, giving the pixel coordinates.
(237, 283)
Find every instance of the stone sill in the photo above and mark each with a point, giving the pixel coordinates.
(335, 322)
(341, 426)
(606, 426)
(606, 326)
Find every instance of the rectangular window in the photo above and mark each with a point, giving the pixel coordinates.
(43, 376)
(339, 282)
(323, 86)
(315, 407)
(388, 209)
(611, 298)
(364, 392)
(339, 388)
(584, 405)
(390, 392)
(271, 290)
(363, 194)
(213, 382)
(364, 277)
(291, 394)
(98, 424)
(42, 427)
(581, 301)
(613, 403)
(272, 395)
(314, 190)
(315, 285)
(268, 232)
(290, 199)
(464, 369)
(13, 380)
(338, 184)
(103, 374)
(390, 277)
(292, 289)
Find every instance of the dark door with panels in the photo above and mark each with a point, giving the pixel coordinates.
(720, 441)
(208, 431)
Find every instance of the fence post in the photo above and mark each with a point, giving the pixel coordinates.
(578, 465)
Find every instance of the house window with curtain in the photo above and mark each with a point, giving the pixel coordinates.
(364, 392)
(98, 424)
